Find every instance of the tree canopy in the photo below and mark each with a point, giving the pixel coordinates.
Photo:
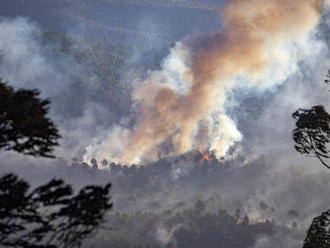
(52, 215)
(312, 137)
(312, 132)
(318, 235)
(24, 125)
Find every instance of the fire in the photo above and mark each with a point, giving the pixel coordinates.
(184, 103)
(206, 157)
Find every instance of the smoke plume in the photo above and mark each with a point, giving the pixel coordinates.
(183, 106)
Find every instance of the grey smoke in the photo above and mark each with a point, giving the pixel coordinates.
(26, 62)
(286, 181)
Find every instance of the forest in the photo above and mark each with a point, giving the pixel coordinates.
(98, 98)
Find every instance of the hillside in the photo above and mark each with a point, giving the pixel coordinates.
(170, 19)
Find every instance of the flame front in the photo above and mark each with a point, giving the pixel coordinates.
(206, 157)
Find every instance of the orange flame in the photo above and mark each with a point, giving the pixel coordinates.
(206, 157)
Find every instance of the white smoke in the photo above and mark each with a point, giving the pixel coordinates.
(220, 131)
(24, 64)
(28, 62)
(164, 235)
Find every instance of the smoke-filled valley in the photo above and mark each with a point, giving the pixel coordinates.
(184, 106)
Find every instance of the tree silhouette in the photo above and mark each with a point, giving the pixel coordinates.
(24, 126)
(312, 136)
(318, 235)
(52, 215)
(312, 132)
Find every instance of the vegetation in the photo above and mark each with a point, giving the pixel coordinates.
(170, 3)
(318, 235)
(312, 136)
(101, 65)
(51, 215)
(24, 126)
(186, 200)
(312, 133)
(191, 227)
(72, 10)
(204, 5)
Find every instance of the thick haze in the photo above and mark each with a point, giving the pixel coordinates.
(182, 107)
(229, 85)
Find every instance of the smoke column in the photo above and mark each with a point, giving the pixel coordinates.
(182, 106)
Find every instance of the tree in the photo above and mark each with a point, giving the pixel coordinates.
(312, 136)
(200, 206)
(24, 125)
(312, 132)
(318, 235)
(52, 215)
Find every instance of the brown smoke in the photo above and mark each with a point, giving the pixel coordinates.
(252, 31)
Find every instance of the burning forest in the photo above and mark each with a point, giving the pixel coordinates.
(183, 104)
(164, 123)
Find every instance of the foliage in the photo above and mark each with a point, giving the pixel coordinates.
(187, 228)
(318, 235)
(312, 132)
(312, 136)
(24, 125)
(51, 215)
(100, 65)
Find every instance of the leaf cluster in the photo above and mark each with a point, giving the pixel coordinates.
(318, 233)
(51, 215)
(24, 125)
(312, 132)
